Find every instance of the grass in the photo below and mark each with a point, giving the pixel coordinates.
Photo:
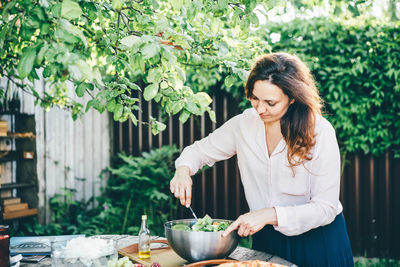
(375, 262)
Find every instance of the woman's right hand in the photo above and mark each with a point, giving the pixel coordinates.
(181, 185)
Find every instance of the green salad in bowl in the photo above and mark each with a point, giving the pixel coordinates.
(197, 240)
(205, 224)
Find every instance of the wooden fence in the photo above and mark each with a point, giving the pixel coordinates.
(370, 188)
(69, 154)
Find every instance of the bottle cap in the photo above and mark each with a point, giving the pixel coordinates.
(144, 217)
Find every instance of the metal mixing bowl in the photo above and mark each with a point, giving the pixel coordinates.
(197, 246)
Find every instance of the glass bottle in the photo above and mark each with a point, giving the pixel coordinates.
(4, 246)
(144, 239)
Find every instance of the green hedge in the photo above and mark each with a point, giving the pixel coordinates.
(357, 71)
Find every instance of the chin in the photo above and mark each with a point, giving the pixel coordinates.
(269, 119)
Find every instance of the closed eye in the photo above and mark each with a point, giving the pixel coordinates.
(270, 103)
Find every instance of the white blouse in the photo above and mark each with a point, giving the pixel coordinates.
(302, 202)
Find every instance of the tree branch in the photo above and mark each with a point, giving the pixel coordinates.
(125, 22)
(236, 5)
(23, 88)
(90, 93)
(19, 85)
(132, 8)
(116, 43)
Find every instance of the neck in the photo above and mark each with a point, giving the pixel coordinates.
(274, 125)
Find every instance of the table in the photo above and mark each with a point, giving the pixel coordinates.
(240, 253)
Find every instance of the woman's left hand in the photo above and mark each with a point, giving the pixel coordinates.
(252, 222)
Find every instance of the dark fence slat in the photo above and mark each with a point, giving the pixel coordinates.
(387, 236)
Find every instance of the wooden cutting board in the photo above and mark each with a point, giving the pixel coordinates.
(164, 256)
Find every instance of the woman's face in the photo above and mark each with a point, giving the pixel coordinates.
(269, 101)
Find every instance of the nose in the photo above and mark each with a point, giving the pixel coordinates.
(260, 107)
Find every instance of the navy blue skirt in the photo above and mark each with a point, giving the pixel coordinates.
(327, 245)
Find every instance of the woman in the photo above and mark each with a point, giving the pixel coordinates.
(289, 163)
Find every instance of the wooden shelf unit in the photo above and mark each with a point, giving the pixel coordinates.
(12, 135)
(19, 214)
(14, 185)
(15, 156)
(21, 196)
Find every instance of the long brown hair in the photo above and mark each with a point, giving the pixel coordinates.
(290, 74)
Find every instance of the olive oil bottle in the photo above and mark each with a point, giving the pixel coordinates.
(144, 239)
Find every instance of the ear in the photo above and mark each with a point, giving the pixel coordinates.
(291, 101)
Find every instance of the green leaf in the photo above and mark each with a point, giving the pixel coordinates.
(118, 111)
(254, 20)
(196, 59)
(157, 127)
(70, 10)
(64, 36)
(164, 85)
(181, 73)
(65, 25)
(25, 65)
(176, 107)
(177, 4)
(81, 89)
(167, 54)
(211, 114)
(39, 13)
(133, 118)
(192, 108)
(184, 116)
(92, 103)
(229, 81)
(161, 126)
(203, 98)
(150, 50)
(7, 9)
(134, 86)
(157, 98)
(101, 107)
(3, 33)
(41, 54)
(56, 10)
(47, 71)
(215, 25)
(130, 41)
(111, 105)
(80, 71)
(33, 75)
(150, 91)
(130, 84)
(118, 4)
(154, 75)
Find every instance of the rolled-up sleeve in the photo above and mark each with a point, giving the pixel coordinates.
(324, 202)
(218, 145)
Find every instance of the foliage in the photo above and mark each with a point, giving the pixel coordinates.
(138, 185)
(348, 9)
(69, 216)
(356, 70)
(375, 262)
(144, 182)
(118, 51)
